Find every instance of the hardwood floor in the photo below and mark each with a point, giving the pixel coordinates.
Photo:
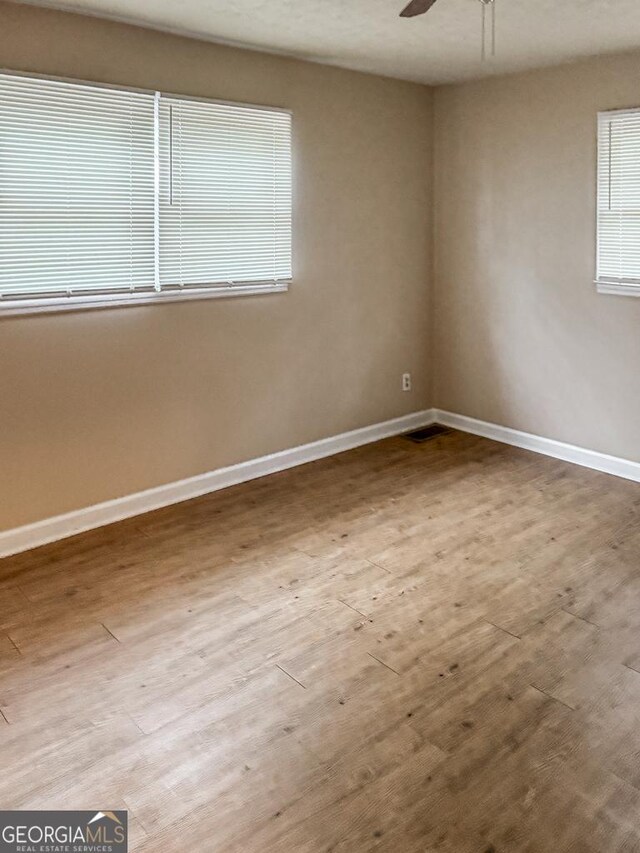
(402, 648)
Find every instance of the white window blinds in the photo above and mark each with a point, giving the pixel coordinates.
(618, 260)
(225, 194)
(108, 192)
(76, 188)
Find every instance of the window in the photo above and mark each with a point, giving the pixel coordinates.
(225, 194)
(109, 196)
(618, 261)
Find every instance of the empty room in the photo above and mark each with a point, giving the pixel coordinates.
(320, 426)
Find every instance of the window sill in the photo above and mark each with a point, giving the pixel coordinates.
(52, 305)
(614, 289)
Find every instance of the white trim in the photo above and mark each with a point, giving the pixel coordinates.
(548, 447)
(617, 289)
(46, 305)
(60, 527)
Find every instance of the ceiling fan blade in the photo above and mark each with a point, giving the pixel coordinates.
(416, 7)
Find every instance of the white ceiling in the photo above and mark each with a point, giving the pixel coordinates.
(368, 35)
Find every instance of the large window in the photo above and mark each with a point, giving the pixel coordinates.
(111, 196)
(618, 263)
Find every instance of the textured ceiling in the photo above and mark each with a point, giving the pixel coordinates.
(368, 35)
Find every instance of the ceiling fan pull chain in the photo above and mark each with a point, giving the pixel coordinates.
(419, 7)
(485, 34)
(493, 28)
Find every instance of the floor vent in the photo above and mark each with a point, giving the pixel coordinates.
(418, 436)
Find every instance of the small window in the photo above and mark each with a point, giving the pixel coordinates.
(110, 196)
(618, 253)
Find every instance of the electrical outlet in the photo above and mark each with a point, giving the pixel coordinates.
(406, 382)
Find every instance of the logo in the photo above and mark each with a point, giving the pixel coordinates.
(63, 832)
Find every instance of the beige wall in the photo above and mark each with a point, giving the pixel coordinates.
(99, 404)
(521, 337)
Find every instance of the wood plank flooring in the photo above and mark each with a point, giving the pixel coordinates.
(401, 648)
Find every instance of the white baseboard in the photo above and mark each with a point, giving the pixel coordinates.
(547, 446)
(62, 526)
